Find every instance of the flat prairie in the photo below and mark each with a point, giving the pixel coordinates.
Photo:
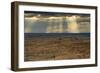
(41, 47)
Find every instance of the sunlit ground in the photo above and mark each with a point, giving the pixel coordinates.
(56, 47)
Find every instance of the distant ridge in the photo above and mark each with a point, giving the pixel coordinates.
(30, 35)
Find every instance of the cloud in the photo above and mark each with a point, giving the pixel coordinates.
(56, 24)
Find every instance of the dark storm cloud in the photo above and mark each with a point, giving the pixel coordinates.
(35, 13)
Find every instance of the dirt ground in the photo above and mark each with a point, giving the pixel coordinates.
(56, 48)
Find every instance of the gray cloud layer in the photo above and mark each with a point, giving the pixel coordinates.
(56, 24)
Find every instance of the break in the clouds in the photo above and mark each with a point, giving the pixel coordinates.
(56, 23)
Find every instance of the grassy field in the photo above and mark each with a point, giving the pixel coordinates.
(56, 47)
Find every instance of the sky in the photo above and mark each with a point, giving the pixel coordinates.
(45, 22)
